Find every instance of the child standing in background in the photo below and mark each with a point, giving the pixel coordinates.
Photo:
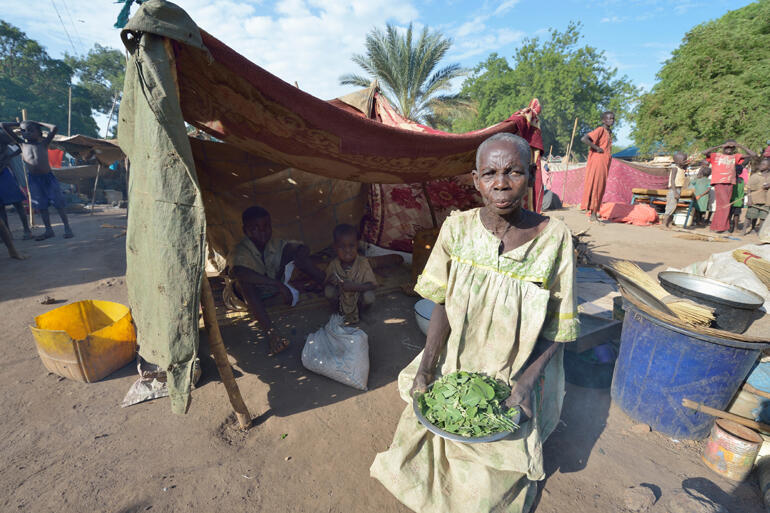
(350, 281)
(10, 193)
(723, 177)
(43, 185)
(758, 195)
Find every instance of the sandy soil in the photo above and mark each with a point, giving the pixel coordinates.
(68, 446)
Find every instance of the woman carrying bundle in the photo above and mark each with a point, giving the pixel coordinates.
(503, 282)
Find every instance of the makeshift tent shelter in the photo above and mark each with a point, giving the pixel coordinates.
(89, 148)
(628, 153)
(181, 188)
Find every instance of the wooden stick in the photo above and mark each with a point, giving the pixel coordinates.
(430, 204)
(26, 179)
(756, 391)
(69, 113)
(219, 352)
(566, 163)
(96, 183)
(725, 415)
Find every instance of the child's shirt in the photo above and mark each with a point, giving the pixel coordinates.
(723, 167)
(359, 272)
(677, 176)
(267, 263)
(759, 195)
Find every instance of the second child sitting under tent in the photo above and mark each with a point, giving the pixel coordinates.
(350, 281)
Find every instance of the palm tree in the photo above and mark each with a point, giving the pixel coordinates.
(405, 68)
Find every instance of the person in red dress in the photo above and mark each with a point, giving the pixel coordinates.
(723, 177)
(598, 166)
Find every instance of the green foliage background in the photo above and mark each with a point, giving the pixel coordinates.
(569, 80)
(31, 79)
(715, 86)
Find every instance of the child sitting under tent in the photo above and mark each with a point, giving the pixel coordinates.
(255, 272)
(350, 281)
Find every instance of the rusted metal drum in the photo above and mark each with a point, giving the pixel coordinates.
(731, 449)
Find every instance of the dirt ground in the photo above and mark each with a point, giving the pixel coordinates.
(68, 446)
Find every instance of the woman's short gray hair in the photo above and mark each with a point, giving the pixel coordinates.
(518, 142)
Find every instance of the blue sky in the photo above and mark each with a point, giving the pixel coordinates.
(311, 41)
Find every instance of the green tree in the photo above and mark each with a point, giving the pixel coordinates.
(30, 79)
(715, 86)
(405, 67)
(100, 74)
(571, 81)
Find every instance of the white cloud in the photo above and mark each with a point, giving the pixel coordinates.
(308, 41)
(505, 6)
(614, 19)
(490, 41)
(474, 37)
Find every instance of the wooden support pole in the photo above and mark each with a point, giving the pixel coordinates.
(566, 161)
(69, 113)
(26, 181)
(96, 183)
(430, 204)
(217, 346)
(759, 426)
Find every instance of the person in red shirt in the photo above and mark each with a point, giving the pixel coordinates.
(723, 177)
(598, 165)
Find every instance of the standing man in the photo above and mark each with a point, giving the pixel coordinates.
(723, 178)
(598, 166)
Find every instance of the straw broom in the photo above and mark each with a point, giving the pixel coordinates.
(687, 311)
(756, 263)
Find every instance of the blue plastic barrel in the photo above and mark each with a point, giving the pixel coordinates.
(660, 364)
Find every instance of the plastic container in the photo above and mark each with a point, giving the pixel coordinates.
(423, 309)
(731, 450)
(85, 341)
(660, 364)
(679, 218)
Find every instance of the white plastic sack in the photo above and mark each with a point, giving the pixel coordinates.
(338, 352)
(723, 267)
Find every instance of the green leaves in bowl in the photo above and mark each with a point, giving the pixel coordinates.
(468, 404)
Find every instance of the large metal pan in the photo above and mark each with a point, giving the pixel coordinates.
(735, 308)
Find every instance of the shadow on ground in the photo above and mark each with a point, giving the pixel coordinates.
(394, 340)
(94, 254)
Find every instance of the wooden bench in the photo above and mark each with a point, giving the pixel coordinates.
(658, 197)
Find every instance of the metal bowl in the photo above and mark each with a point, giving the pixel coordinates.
(735, 308)
(459, 438)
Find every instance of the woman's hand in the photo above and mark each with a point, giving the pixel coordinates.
(420, 383)
(521, 396)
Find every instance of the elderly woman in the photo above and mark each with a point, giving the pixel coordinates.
(502, 279)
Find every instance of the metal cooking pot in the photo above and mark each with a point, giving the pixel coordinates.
(735, 308)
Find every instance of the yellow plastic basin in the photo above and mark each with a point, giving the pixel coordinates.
(87, 340)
